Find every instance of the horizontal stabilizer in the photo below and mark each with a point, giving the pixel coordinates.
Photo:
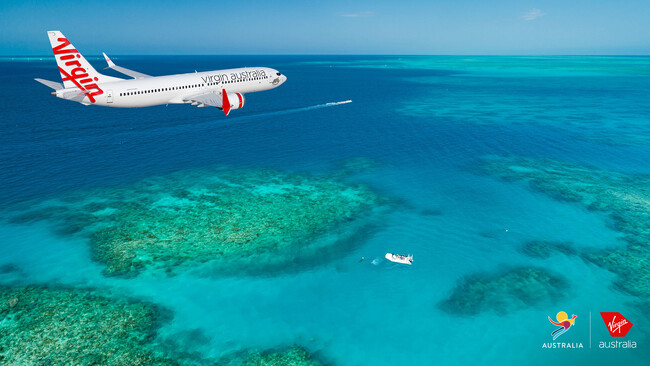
(74, 95)
(50, 84)
(131, 73)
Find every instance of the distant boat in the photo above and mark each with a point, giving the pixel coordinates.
(400, 258)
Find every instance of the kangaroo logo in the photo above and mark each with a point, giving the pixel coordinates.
(563, 322)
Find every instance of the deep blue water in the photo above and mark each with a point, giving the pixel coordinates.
(425, 122)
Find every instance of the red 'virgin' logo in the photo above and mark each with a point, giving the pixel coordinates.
(78, 75)
(617, 324)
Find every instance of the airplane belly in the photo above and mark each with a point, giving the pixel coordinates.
(137, 102)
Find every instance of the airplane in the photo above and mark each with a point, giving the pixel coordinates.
(223, 89)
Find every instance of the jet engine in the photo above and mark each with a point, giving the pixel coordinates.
(231, 101)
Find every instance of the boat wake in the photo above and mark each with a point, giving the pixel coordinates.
(302, 109)
(209, 122)
(338, 103)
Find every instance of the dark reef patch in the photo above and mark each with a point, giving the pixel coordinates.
(292, 356)
(9, 268)
(431, 212)
(504, 292)
(545, 249)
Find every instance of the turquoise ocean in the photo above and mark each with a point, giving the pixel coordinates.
(420, 133)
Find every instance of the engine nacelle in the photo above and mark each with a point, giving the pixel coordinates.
(236, 100)
(231, 101)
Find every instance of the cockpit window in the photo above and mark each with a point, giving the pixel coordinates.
(278, 74)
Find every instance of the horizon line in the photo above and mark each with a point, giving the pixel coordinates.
(350, 54)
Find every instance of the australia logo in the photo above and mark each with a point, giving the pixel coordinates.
(617, 324)
(563, 322)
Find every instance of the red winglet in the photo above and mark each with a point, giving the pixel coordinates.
(225, 103)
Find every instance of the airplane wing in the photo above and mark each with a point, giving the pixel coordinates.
(222, 100)
(131, 73)
(206, 100)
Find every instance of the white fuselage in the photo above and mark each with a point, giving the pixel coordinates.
(223, 89)
(176, 89)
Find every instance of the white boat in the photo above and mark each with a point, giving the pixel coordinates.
(400, 258)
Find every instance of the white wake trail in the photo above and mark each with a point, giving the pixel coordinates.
(338, 103)
(291, 110)
(317, 106)
(230, 120)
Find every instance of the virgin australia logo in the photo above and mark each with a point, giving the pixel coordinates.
(617, 324)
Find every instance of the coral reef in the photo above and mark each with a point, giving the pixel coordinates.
(503, 292)
(66, 326)
(293, 356)
(624, 197)
(233, 220)
(44, 326)
(545, 248)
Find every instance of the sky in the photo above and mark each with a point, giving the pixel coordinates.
(432, 27)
